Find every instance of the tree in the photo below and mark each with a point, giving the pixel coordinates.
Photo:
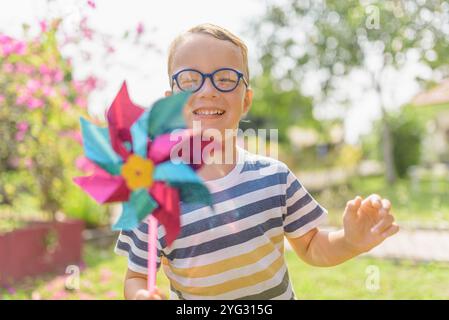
(335, 38)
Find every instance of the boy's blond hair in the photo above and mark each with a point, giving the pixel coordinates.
(216, 32)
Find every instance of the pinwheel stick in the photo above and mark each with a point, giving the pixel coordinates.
(152, 238)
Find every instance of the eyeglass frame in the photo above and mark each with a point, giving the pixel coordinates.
(204, 76)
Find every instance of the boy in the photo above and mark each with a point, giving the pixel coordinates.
(236, 252)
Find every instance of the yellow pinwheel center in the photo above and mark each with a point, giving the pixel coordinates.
(138, 172)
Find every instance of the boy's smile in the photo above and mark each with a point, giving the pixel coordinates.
(213, 108)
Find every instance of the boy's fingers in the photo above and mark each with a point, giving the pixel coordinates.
(390, 231)
(375, 201)
(383, 224)
(352, 206)
(142, 295)
(386, 204)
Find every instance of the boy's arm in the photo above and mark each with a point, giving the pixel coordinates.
(323, 248)
(366, 224)
(136, 287)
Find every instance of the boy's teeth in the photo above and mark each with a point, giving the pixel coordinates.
(209, 112)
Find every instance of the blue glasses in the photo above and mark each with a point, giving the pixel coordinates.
(224, 79)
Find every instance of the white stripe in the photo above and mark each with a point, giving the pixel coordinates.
(306, 228)
(302, 211)
(226, 230)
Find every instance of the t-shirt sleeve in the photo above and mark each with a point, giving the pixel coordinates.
(133, 244)
(302, 212)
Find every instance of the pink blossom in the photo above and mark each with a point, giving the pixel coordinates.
(44, 70)
(65, 106)
(48, 91)
(25, 69)
(91, 4)
(59, 295)
(58, 76)
(11, 290)
(111, 295)
(140, 28)
(81, 102)
(8, 67)
(43, 25)
(34, 103)
(90, 83)
(28, 163)
(85, 30)
(105, 275)
(33, 85)
(2, 99)
(12, 46)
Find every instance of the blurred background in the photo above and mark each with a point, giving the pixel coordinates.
(358, 91)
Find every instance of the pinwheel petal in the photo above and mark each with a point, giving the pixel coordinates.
(97, 147)
(103, 187)
(168, 211)
(135, 210)
(121, 116)
(180, 175)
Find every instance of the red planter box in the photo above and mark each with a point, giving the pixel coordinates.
(40, 248)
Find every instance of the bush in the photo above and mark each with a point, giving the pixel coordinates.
(40, 105)
(407, 133)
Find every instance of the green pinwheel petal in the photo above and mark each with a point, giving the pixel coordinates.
(193, 193)
(97, 147)
(140, 204)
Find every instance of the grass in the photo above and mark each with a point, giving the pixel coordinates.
(425, 204)
(103, 274)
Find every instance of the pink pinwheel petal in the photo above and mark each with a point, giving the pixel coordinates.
(103, 187)
(168, 211)
(188, 141)
(161, 147)
(121, 116)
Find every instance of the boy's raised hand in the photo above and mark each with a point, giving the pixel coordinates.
(368, 222)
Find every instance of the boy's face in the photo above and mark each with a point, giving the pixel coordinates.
(207, 54)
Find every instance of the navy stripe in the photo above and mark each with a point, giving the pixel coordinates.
(253, 166)
(226, 241)
(305, 219)
(132, 256)
(300, 203)
(142, 245)
(294, 187)
(230, 216)
(278, 178)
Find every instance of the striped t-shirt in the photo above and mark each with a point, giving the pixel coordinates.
(236, 251)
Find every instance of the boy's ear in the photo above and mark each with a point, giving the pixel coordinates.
(168, 93)
(247, 102)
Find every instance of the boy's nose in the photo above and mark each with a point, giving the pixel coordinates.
(208, 89)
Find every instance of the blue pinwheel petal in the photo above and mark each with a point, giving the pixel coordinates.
(140, 204)
(183, 177)
(97, 147)
(139, 134)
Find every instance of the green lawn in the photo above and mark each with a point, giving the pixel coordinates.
(102, 278)
(426, 203)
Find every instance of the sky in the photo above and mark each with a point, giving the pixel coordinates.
(145, 70)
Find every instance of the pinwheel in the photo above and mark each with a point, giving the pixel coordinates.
(133, 165)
